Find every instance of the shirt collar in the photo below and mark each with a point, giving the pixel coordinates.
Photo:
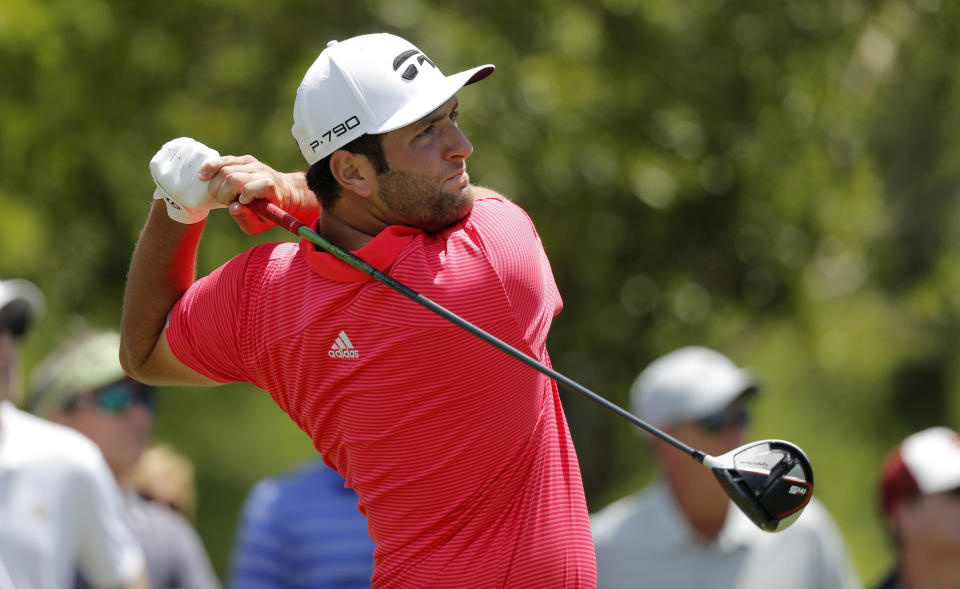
(380, 252)
(737, 530)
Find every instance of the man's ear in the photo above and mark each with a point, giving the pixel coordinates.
(353, 171)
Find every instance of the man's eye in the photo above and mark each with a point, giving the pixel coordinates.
(455, 115)
(425, 132)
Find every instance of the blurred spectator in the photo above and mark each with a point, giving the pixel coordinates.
(60, 509)
(165, 476)
(83, 386)
(21, 302)
(920, 501)
(683, 532)
(302, 530)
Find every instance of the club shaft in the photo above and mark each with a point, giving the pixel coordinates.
(290, 223)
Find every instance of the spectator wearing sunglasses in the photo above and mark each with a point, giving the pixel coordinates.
(683, 531)
(83, 386)
(60, 508)
(920, 505)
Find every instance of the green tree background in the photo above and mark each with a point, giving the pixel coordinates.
(777, 180)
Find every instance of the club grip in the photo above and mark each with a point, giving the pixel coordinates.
(274, 213)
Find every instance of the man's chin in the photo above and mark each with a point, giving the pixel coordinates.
(467, 195)
(468, 206)
(452, 214)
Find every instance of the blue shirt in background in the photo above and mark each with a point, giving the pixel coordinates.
(302, 530)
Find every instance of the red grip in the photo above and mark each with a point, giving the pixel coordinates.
(274, 213)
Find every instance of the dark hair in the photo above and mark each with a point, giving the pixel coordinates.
(320, 179)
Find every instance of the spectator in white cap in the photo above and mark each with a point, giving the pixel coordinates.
(920, 504)
(60, 509)
(20, 303)
(682, 531)
(81, 385)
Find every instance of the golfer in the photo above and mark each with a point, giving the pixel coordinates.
(460, 455)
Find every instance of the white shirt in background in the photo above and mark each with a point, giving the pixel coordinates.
(644, 541)
(60, 509)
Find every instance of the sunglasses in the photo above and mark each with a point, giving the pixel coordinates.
(735, 416)
(117, 398)
(15, 318)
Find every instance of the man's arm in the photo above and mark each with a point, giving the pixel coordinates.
(191, 178)
(162, 269)
(108, 553)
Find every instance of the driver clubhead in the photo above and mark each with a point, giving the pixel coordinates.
(771, 481)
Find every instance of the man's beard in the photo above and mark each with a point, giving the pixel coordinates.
(421, 202)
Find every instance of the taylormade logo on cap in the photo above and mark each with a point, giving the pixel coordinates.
(369, 84)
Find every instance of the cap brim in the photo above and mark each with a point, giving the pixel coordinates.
(742, 387)
(21, 290)
(432, 99)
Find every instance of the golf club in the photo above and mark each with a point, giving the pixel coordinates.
(771, 481)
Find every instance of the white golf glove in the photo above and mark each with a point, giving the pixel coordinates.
(174, 169)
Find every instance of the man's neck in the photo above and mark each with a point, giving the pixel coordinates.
(341, 234)
(344, 225)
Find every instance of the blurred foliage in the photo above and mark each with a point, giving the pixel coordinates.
(776, 180)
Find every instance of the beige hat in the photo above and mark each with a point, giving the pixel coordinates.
(85, 363)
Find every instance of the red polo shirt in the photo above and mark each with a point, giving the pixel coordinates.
(460, 454)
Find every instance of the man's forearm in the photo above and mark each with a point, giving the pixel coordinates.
(162, 268)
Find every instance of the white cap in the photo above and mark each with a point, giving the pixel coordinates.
(369, 84)
(925, 462)
(687, 384)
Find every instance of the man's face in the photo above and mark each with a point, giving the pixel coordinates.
(715, 435)
(117, 417)
(929, 526)
(427, 185)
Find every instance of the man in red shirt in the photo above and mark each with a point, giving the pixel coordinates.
(460, 455)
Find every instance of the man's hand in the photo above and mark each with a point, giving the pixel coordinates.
(174, 169)
(235, 181)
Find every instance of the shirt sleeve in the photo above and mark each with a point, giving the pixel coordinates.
(109, 554)
(510, 240)
(204, 324)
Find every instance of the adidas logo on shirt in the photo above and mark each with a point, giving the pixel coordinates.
(343, 347)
